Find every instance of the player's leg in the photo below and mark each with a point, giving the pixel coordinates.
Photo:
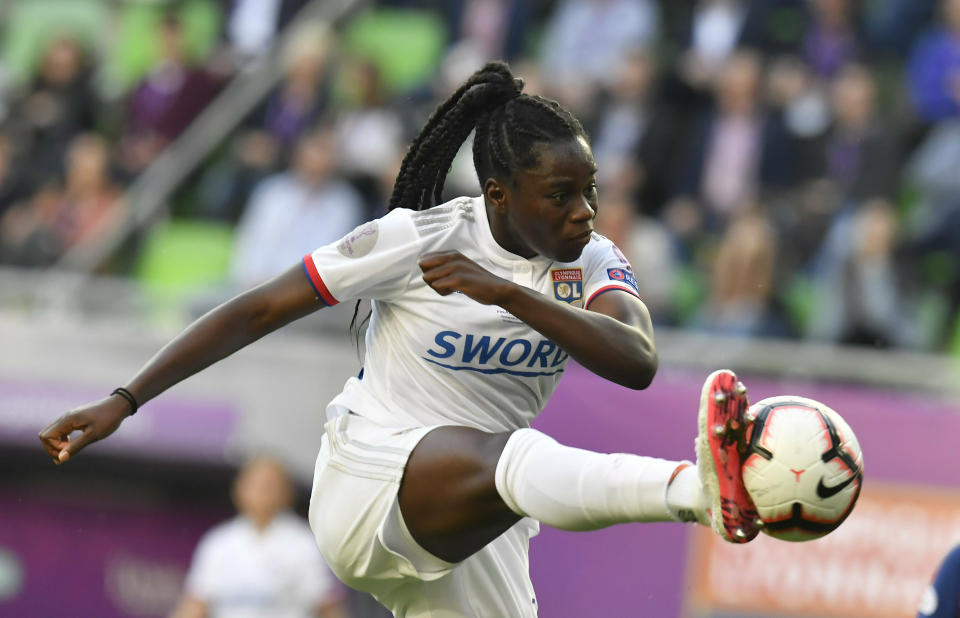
(448, 496)
(356, 520)
(463, 487)
(494, 581)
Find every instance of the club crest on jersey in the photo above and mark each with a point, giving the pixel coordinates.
(568, 284)
(624, 276)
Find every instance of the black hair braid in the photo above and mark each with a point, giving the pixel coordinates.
(435, 161)
(448, 145)
(433, 158)
(437, 116)
(424, 167)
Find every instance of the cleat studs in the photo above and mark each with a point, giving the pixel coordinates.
(719, 430)
(739, 533)
(741, 389)
(720, 398)
(759, 523)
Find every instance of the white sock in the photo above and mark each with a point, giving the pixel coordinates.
(574, 489)
(685, 497)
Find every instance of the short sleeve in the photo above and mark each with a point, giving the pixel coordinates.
(375, 261)
(606, 269)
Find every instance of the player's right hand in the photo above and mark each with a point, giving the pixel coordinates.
(95, 421)
(451, 271)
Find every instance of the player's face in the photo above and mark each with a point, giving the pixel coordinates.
(262, 490)
(550, 208)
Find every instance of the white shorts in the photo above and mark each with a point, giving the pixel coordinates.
(355, 517)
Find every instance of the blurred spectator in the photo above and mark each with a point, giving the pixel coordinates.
(831, 39)
(741, 299)
(498, 27)
(858, 293)
(644, 241)
(203, 84)
(301, 97)
(630, 126)
(58, 104)
(709, 34)
(624, 110)
(171, 95)
(802, 215)
(934, 222)
(90, 198)
(292, 213)
(932, 171)
(858, 154)
(252, 25)
(584, 40)
(723, 161)
(264, 562)
(370, 134)
(29, 230)
(934, 68)
(799, 117)
(854, 270)
(227, 184)
(733, 144)
(164, 83)
(152, 99)
(36, 232)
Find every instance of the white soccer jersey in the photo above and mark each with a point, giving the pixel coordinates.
(449, 360)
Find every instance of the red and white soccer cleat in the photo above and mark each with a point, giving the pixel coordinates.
(720, 451)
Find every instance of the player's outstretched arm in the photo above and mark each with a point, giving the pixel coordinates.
(221, 332)
(614, 339)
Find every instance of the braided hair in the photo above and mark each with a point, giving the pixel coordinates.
(508, 125)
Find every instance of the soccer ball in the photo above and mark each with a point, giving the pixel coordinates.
(803, 467)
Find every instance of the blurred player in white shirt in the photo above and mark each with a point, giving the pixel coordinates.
(263, 563)
(430, 482)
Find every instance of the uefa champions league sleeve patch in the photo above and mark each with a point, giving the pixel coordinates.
(360, 241)
(623, 276)
(568, 284)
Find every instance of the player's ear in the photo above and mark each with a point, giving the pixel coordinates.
(496, 194)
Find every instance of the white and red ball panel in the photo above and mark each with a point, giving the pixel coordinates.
(803, 468)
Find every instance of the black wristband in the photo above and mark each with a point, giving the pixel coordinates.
(129, 397)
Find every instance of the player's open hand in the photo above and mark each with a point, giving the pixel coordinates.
(94, 421)
(451, 271)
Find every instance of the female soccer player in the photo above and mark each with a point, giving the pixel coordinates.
(430, 482)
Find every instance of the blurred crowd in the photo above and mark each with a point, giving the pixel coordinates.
(785, 168)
